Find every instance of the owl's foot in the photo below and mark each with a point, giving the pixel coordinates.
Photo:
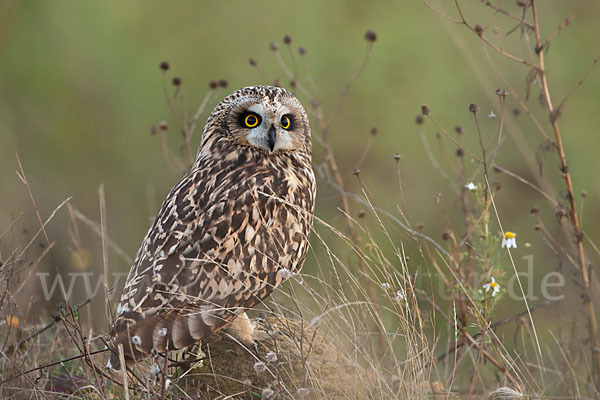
(241, 329)
(245, 331)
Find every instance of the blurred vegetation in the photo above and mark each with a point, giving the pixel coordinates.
(80, 88)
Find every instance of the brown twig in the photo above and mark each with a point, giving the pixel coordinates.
(490, 44)
(492, 360)
(583, 269)
(57, 318)
(51, 365)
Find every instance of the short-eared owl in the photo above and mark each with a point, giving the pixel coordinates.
(233, 228)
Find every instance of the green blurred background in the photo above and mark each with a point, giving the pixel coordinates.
(80, 88)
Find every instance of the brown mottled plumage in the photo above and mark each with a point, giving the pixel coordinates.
(235, 226)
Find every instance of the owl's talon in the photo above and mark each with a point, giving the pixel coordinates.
(255, 348)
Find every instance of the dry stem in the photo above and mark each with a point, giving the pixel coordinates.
(571, 197)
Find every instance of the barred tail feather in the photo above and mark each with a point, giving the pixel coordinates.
(141, 335)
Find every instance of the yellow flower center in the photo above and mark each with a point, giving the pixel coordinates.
(493, 284)
(509, 235)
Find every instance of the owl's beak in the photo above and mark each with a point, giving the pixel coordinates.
(271, 138)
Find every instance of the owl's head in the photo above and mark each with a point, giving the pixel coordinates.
(265, 118)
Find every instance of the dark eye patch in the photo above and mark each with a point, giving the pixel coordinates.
(287, 122)
(250, 119)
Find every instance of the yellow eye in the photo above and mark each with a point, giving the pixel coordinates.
(251, 120)
(286, 122)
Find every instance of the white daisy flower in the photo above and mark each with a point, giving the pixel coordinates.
(493, 286)
(492, 114)
(509, 240)
(471, 186)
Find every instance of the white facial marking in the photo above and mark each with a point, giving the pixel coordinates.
(284, 139)
(271, 117)
(258, 136)
(258, 109)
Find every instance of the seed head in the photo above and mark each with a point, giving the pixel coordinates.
(537, 227)
(287, 39)
(362, 213)
(425, 110)
(583, 194)
(253, 62)
(267, 393)
(301, 50)
(478, 29)
(397, 157)
(214, 84)
(473, 107)
(271, 357)
(223, 83)
(420, 226)
(371, 36)
(163, 126)
(277, 83)
(534, 210)
(356, 172)
(460, 152)
(164, 65)
(153, 130)
(505, 393)
(273, 47)
(516, 112)
(458, 129)
(501, 92)
(419, 119)
(259, 366)
(446, 235)
(373, 131)
(285, 273)
(293, 82)
(155, 369)
(177, 81)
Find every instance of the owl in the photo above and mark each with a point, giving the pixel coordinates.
(235, 226)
